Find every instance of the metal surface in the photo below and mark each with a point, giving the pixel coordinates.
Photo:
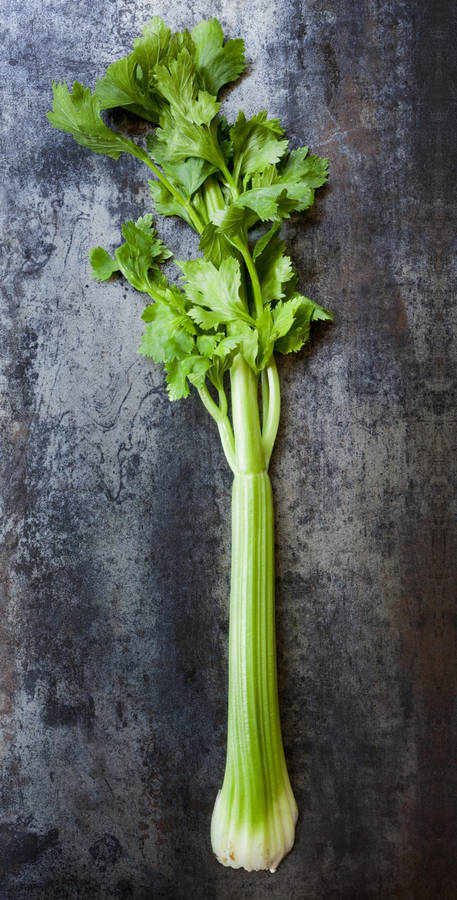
(115, 525)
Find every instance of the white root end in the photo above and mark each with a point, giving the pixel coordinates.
(254, 847)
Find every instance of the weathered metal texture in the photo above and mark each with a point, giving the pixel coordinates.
(115, 527)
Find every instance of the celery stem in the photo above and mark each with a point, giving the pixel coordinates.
(230, 180)
(212, 193)
(256, 287)
(265, 398)
(193, 214)
(254, 817)
(271, 417)
(250, 456)
(219, 414)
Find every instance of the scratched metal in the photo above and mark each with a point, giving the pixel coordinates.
(115, 503)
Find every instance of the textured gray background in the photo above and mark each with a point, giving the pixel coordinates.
(115, 519)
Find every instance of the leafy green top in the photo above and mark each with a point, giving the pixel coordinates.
(224, 180)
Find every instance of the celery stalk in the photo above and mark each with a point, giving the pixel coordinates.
(254, 816)
(236, 307)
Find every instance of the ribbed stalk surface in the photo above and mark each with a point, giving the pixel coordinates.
(255, 812)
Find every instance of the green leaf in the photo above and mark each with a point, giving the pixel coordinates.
(322, 314)
(103, 265)
(283, 316)
(309, 170)
(264, 324)
(207, 343)
(198, 370)
(223, 137)
(141, 253)
(275, 323)
(166, 203)
(214, 245)
(263, 201)
(143, 231)
(204, 108)
(216, 290)
(263, 242)
(161, 70)
(127, 85)
(180, 40)
(234, 221)
(273, 195)
(305, 312)
(170, 295)
(165, 338)
(220, 350)
(256, 143)
(248, 343)
(217, 64)
(297, 176)
(278, 191)
(207, 319)
(193, 369)
(268, 203)
(188, 175)
(177, 82)
(227, 348)
(274, 269)
(78, 114)
(180, 138)
(154, 44)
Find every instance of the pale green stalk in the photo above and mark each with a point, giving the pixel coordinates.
(254, 817)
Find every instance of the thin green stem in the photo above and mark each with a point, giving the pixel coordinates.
(220, 416)
(192, 212)
(209, 403)
(256, 288)
(265, 397)
(271, 419)
(223, 406)
(228, 442)
(230, 180)
(199, 206)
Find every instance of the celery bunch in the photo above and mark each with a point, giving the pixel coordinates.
(237, 305)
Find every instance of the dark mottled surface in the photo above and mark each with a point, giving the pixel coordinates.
(115, 504)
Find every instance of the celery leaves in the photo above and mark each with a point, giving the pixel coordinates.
(78, 113)
(256, 143)
(240, 297)
(166, 337)
(214, 292)
(275, 270)
(217, 63)
(129, 82)
(140, 254)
